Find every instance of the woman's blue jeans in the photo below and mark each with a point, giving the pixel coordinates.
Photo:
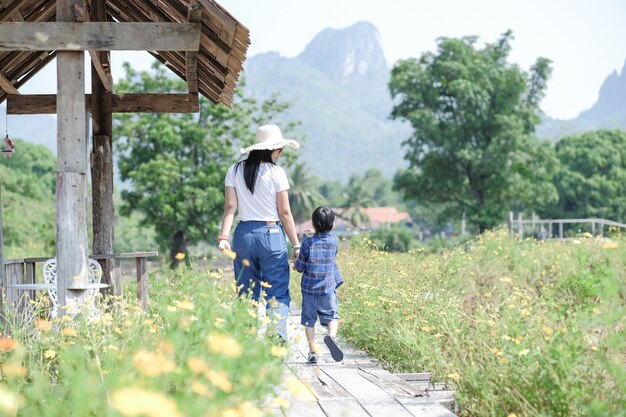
(265, 249)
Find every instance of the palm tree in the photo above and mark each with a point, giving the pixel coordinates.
(304, 196)
(358, 197)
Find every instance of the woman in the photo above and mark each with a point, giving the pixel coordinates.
(257, 188)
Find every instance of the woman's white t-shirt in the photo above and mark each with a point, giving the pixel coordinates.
(271, 179)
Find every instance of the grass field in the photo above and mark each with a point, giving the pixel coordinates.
(519, 328)
(196, 353)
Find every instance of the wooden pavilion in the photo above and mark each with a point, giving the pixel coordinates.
(197, 39)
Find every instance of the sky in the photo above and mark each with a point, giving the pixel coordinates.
(585, 39)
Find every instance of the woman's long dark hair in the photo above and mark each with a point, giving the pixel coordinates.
(251, 166)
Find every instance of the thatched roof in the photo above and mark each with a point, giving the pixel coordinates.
(223, 43)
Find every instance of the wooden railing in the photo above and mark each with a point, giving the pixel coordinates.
(553, 228)
(24, 271)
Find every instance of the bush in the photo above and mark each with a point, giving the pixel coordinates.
(395, 238)
(533, 328)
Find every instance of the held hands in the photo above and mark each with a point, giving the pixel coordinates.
(223, 244)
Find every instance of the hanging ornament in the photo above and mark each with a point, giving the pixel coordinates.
(7, 149)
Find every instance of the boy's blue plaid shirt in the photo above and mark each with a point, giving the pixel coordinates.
(320, 275)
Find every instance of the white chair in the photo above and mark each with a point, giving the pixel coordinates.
(50, 277)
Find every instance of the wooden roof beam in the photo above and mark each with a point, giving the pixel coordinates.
(100, 36)
(7, 85)
(120, 103)
(103, 73)
(11, 9)
(194, 15)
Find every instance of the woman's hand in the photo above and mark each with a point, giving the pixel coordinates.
(224, 245)
(296, 253)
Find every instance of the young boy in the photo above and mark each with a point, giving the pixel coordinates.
(320, 279)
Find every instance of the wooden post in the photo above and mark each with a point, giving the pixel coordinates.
(601, 227)
(550, 229)
(593, 228)
(510, 224)
(142, 283)
(520, 225)
(103, 212)
(72, 161)
(560, 230)
(3, 279)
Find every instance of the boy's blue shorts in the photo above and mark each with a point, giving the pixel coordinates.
(324, 306)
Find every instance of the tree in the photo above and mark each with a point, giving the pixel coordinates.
(473, 116)
(28, 182)
(592, 179)
(357, 197)
(303, 195)
(175, 163)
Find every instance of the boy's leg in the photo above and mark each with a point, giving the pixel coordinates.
(332, 327)
(310, 338)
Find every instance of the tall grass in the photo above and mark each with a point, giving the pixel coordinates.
(195, 353)
(529, 328)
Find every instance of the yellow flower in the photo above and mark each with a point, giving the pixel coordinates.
(512, 415)
(298, 389)
(219, 322)
(179, 256)
(9, 401)
(43, 325)
(152, 364)
(230, 254)
(219, 379)
(280, 402)
(135, 402)
(6, 343)
(454, 376)
(185, 305)
(266, 284)
(245, 262)
(49, 354)
(13, 370)
(197, 365)
(201, 389)
(609, 245)
(279, 351)
(69, 332)
(223, 345)
(547, 330)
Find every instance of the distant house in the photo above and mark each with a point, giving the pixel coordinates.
(378, 217)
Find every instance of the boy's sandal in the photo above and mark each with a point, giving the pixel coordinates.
(335, 350)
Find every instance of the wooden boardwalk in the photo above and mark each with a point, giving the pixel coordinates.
(356, 387)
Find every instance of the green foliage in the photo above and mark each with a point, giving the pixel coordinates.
(303, 194)
(195, 352)
(532, 328)
(176, 163)
(395, 238)
(592, 179)
(473, 114)
(28, 183)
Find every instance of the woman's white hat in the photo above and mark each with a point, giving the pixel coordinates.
(270, 137)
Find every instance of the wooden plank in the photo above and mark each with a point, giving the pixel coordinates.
(305, 409)
(194, 15)
(424, 408)
(100, 36)
(343, 408)
(355, 384)
(384, 408)
(142, 283)
(120, 103)
(7, 86)
(392, 385)
(322, 386)
(104, 76)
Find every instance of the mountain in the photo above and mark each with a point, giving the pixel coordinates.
(337, 88)
(608, 112)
